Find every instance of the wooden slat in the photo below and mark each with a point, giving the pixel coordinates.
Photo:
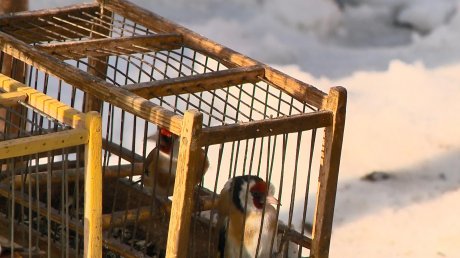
(121, 151)
(10, 99)
(225, 55)
(44, 103)
(182, 206)
(192, 39)
(143, 214)
(30, 26)
(255, 129)
(118, 218)
(294, 236)
(47, 32)
(121, 46)
(301, 91)
(198, 83)
(116, 96)
(12, 18)
(329, 172)
(72, 174)
(42, 143)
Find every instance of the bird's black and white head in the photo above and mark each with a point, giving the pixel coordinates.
(258, 193)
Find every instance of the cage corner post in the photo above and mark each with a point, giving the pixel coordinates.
(182, 206)
(329, 170)
(97, 65)
(93, 186)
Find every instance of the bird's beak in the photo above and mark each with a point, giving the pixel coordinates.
(272, 200)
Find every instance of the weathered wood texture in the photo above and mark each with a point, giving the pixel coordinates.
(29, 15)
(299, 90)
(93, 187)
(275, 126)
(42, 143)
(329, 172)
(47, 25)
(114, 95)
(12, 6)
(121, 152)
(74, 174)
(118, 46)
(197, 83)
(187, 164)
(294, 236)
(97, 65)
(11, 98)
(242, 69)
(120, 218)
(43, 103)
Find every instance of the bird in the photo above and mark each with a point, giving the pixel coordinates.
(234, 212)
(161, 164)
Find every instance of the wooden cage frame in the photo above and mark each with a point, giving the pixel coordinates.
(134, 99)
(86, 129)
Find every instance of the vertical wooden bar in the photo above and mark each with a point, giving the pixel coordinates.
(97, 65)
(182, 205)
(93, 187)
(329, 171)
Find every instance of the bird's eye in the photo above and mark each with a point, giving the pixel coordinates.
(257, 195)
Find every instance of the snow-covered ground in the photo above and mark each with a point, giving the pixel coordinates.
(400, 61)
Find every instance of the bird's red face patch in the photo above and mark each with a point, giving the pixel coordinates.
(166, 141)
(165, 132)
(259, 192)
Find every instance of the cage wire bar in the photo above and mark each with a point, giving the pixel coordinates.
(48, 130)
(231, 116)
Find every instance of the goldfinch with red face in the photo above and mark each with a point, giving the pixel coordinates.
(241, 206)
(161, 164)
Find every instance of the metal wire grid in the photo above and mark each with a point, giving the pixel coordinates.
(239, 103)
(128, 133)
(77, 24)
(40, 208)
(150, 65)
(287, 161)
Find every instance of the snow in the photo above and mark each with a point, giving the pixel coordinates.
(400, 62)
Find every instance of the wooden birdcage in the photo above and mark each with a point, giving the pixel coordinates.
(41, 149)
(143, 72)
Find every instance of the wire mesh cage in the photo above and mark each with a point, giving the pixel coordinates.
(42, 168)
(181, 117)
(27, 201)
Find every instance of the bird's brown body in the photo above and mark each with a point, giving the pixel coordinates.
(161, 165)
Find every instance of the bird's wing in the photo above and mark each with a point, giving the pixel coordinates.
(222, 227)
(150, 161)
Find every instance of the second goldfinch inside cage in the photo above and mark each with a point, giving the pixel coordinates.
(247, 220)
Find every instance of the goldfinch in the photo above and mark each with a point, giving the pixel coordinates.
(242, 205)
(161, 164)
